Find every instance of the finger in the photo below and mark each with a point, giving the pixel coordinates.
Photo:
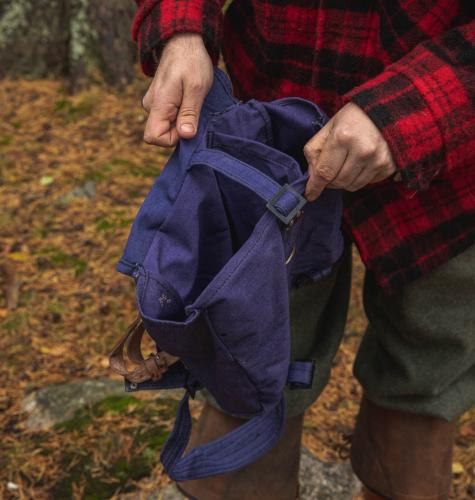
(144, 107)
(360, 182)
(329, 164)
(147, 100)
(160, 127)
(168, 139)
(349, 172)
(313, 149)
(188, 115)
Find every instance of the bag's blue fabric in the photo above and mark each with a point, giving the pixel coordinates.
(216, 245)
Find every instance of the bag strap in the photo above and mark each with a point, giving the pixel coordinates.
(152, 367)
(283, 201)
(235, 449)
(232, 451)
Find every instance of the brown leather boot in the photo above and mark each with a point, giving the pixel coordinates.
(272, 477)
(402, 456)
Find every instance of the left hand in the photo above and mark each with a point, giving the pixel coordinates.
(348, 153)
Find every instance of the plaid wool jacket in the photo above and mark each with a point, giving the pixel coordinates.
(409, 64)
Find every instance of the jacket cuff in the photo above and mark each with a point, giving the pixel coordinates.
(405, 119)
(157, 21)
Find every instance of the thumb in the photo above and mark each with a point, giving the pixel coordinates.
(188, 115)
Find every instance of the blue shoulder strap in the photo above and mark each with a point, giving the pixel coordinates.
(233, 451)
(283, 201)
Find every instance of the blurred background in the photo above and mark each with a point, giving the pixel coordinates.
(73, 172)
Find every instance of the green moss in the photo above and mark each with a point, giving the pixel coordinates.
(167, 408)
(135, 469)
(96, 176)
(63, 259)
(134, 193)
(82, 419)
(154, 438)
(121, 470)
(13, 322)
(70, 110)
(110, 405)
(127, 167)
(56, 307)
(116, 404)
(147, 170)
(58, 258)
(105, 224)
(5, 140)
(119, 473)
(121, 162)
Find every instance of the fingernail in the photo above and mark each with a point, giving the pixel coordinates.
(309, 196)
(187, 128)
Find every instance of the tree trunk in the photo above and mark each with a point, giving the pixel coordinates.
(77, 39)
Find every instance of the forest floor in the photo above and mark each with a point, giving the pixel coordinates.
(73, 172)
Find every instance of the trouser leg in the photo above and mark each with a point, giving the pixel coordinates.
(274, 476)
(318, 312)
(416, 364)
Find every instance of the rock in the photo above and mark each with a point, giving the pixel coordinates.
(170, 394)
(318, 481)
(87, 190)
(57, 403)
(326, 481)
(170, 492)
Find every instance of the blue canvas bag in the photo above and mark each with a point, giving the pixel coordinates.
(219, 240)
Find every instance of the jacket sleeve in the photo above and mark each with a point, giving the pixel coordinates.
(157, 20)
(424, 105)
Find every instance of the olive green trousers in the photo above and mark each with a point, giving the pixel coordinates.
(418, 351)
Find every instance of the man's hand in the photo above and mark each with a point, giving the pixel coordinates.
(176, 94)
(348, 153)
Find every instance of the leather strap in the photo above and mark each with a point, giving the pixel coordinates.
(151, 368)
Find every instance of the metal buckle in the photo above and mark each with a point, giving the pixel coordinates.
(294, 213)
(131, 386)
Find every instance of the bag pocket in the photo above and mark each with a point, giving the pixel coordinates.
(193, 340)
(163, 315)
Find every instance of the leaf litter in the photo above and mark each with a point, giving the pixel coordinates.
(73, 172)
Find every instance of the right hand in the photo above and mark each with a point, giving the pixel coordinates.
(174, 99)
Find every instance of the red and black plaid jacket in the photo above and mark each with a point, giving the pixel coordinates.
(409, 64)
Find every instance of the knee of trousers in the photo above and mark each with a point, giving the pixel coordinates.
(418, 353)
